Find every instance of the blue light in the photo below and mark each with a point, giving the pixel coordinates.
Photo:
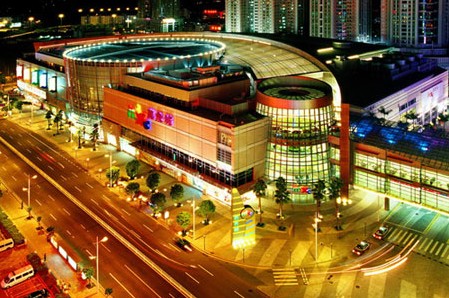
(392, 141)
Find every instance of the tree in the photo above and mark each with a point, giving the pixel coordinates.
(132, 188)
(282, 195)
(184, 220)
(335, 185)
(94, 135)
(38, 219)
(411, 115)
(132, 168)
(88, 273)
(48, 116)
(443, 118)
(177, 193)
(206, 209)
(108, 292)
(56, 121)
(153, 180)
(157, 202)
(29, 208)
(113, 174)
(384, 113)
(318, 195)
(259, 190)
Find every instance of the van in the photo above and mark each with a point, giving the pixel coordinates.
(6, 243)
(17, 276)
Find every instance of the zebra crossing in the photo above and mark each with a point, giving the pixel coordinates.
(427, 246)
(285, 277)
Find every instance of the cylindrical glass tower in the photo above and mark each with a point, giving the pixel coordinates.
(301, 113)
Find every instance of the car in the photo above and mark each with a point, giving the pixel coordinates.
(42, 293)
(381, 232)
(361, 248)
(184, 244)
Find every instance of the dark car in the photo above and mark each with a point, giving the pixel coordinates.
(381, 232)
(184, 244)
(38, 294)
(360, 248)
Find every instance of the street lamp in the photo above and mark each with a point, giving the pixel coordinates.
(61, 16)
(339, 202)
(110, 167)
(29, 189)
(315, 226)
(97, 244)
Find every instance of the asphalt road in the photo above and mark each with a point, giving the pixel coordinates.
(82, 209)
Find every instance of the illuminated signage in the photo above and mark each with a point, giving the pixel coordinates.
(247, 212)
(145, 118)
(43, 80)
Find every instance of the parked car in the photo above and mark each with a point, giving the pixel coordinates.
(381, 232)
(361, 248)
(43, 293)
(184, 244)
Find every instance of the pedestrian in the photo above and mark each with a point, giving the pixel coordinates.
(45, 257)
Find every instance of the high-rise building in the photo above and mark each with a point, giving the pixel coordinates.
(255, 16)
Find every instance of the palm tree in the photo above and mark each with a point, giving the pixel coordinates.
(94, 135)
(259, 190)
(411, 115)
(281, 194)
(336, 183)
(385, 113)
(318, 195)
(442, 117)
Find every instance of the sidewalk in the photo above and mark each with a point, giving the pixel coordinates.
(293, 248)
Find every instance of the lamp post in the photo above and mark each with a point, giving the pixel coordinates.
(315, 226)
(61, 16)
(97, 244)
(28, 189)
(110, 167)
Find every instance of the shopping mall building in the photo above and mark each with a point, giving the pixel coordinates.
(220, 111)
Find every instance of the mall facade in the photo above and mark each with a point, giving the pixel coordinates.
(220, 111)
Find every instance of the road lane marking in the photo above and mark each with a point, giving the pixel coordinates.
(408, 237)
(142, 281)
(74, 174)
(89, 185)
(53, 217)
(444, 251)
(62, 166)
(127, 213)
(82, 226)
(238, 294)
(95, 202)
(68, 232)
(135, 234)
(105, 247)
(397, 235)
(439, 249)
(210, 273)
(148, 228)
(427, 247)
(192, 277)
(29, 151)
(51, 198)
(285, 277)
(121, 285)
(38, 202)
(433, 247)
(50, 168)
(402, 237)
(423, 243)
(63, 209)
(106, 198)
(78, 189)
(40, 159)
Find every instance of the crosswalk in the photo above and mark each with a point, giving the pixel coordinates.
(429, 247)
(285, 277)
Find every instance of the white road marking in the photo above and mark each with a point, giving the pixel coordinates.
(62, 166)
(38, 202)
(53, 216)
(192, 277)
(68, 213)
(127, 213)
(82, 226)
(148, 228)
(95, 202)
(205, 270)
(51, 198)
(64, 178)
(68, 232)
(74, 174)
(40, 159)
(135, 234)
(78, 189)
(51, 168)
(145, 283)
(121, 285)
(238, 294)
(29, 151)
(89, 185)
